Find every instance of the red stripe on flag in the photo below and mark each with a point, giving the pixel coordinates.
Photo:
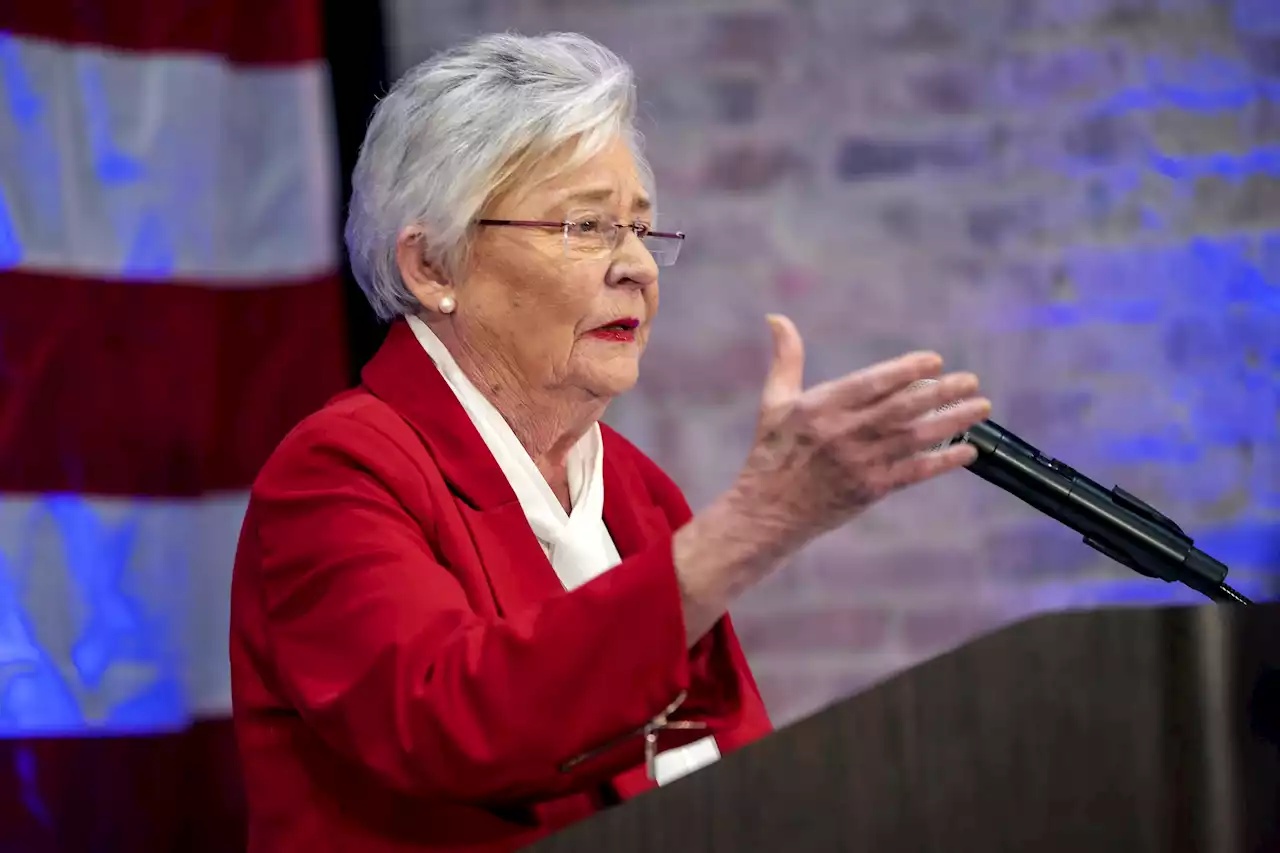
(246, 31)
(157, 794)
(163, 390)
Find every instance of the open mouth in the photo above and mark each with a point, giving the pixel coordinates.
(619, 330)
(628, 324)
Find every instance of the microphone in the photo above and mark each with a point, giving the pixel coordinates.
(1112, 521)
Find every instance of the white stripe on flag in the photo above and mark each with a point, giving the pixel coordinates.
(164, 166)
(114, 611)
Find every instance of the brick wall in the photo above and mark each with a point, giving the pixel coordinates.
(1079, 199)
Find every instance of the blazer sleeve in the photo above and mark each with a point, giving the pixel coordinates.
(375, 645)
(721, 685)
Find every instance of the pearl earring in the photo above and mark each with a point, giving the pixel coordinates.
(447, 304)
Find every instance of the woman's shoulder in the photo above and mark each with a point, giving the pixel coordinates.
(354, 429)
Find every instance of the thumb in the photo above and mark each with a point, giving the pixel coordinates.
(786, 375)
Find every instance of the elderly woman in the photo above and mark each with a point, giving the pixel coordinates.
(464, 612)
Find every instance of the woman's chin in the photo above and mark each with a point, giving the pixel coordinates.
(611, 378)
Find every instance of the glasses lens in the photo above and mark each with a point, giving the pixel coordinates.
(590, 240)
(664, 249)
(588, 237)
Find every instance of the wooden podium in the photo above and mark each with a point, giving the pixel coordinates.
(1128, 730)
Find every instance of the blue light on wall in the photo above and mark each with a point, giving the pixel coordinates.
(1231, 286)
(1257, 17)
(1215, 300)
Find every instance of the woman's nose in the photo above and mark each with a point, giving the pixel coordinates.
(633, 265)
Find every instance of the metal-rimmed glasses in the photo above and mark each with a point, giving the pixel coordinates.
(595, 237)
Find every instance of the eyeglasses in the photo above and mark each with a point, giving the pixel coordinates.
(595, 237)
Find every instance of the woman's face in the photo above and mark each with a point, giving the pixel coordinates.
(576, 321)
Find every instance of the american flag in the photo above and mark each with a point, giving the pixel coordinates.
(169, 307)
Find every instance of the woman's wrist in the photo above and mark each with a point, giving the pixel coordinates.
(723, 551)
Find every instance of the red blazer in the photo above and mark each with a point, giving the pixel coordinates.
(408, 672)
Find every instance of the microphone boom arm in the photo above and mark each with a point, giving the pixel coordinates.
(1111, 521)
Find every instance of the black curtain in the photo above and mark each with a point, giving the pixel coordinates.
(356, 49)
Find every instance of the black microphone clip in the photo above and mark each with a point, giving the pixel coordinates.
(1136, 505)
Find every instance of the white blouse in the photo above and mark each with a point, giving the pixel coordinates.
(577, 543)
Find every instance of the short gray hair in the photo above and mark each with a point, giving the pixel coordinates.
(454, 131)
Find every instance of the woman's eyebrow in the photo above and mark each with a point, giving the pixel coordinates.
(642, 204)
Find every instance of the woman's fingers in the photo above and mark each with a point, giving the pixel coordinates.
(892, 415)
(864, 388)
(873, 444)
(896, 416)
(824, 454)
(939, 426)
(934, 428)
(926, 466)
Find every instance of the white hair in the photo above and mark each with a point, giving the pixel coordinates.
(461, 127)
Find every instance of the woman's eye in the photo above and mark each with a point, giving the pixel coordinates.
(587, 226)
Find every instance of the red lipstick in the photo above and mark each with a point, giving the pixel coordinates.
(622, 330)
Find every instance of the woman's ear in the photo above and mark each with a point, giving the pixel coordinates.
(420, 276)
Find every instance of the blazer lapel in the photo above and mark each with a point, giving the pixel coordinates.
(511, 555)
(633, 520)
(403, 376)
